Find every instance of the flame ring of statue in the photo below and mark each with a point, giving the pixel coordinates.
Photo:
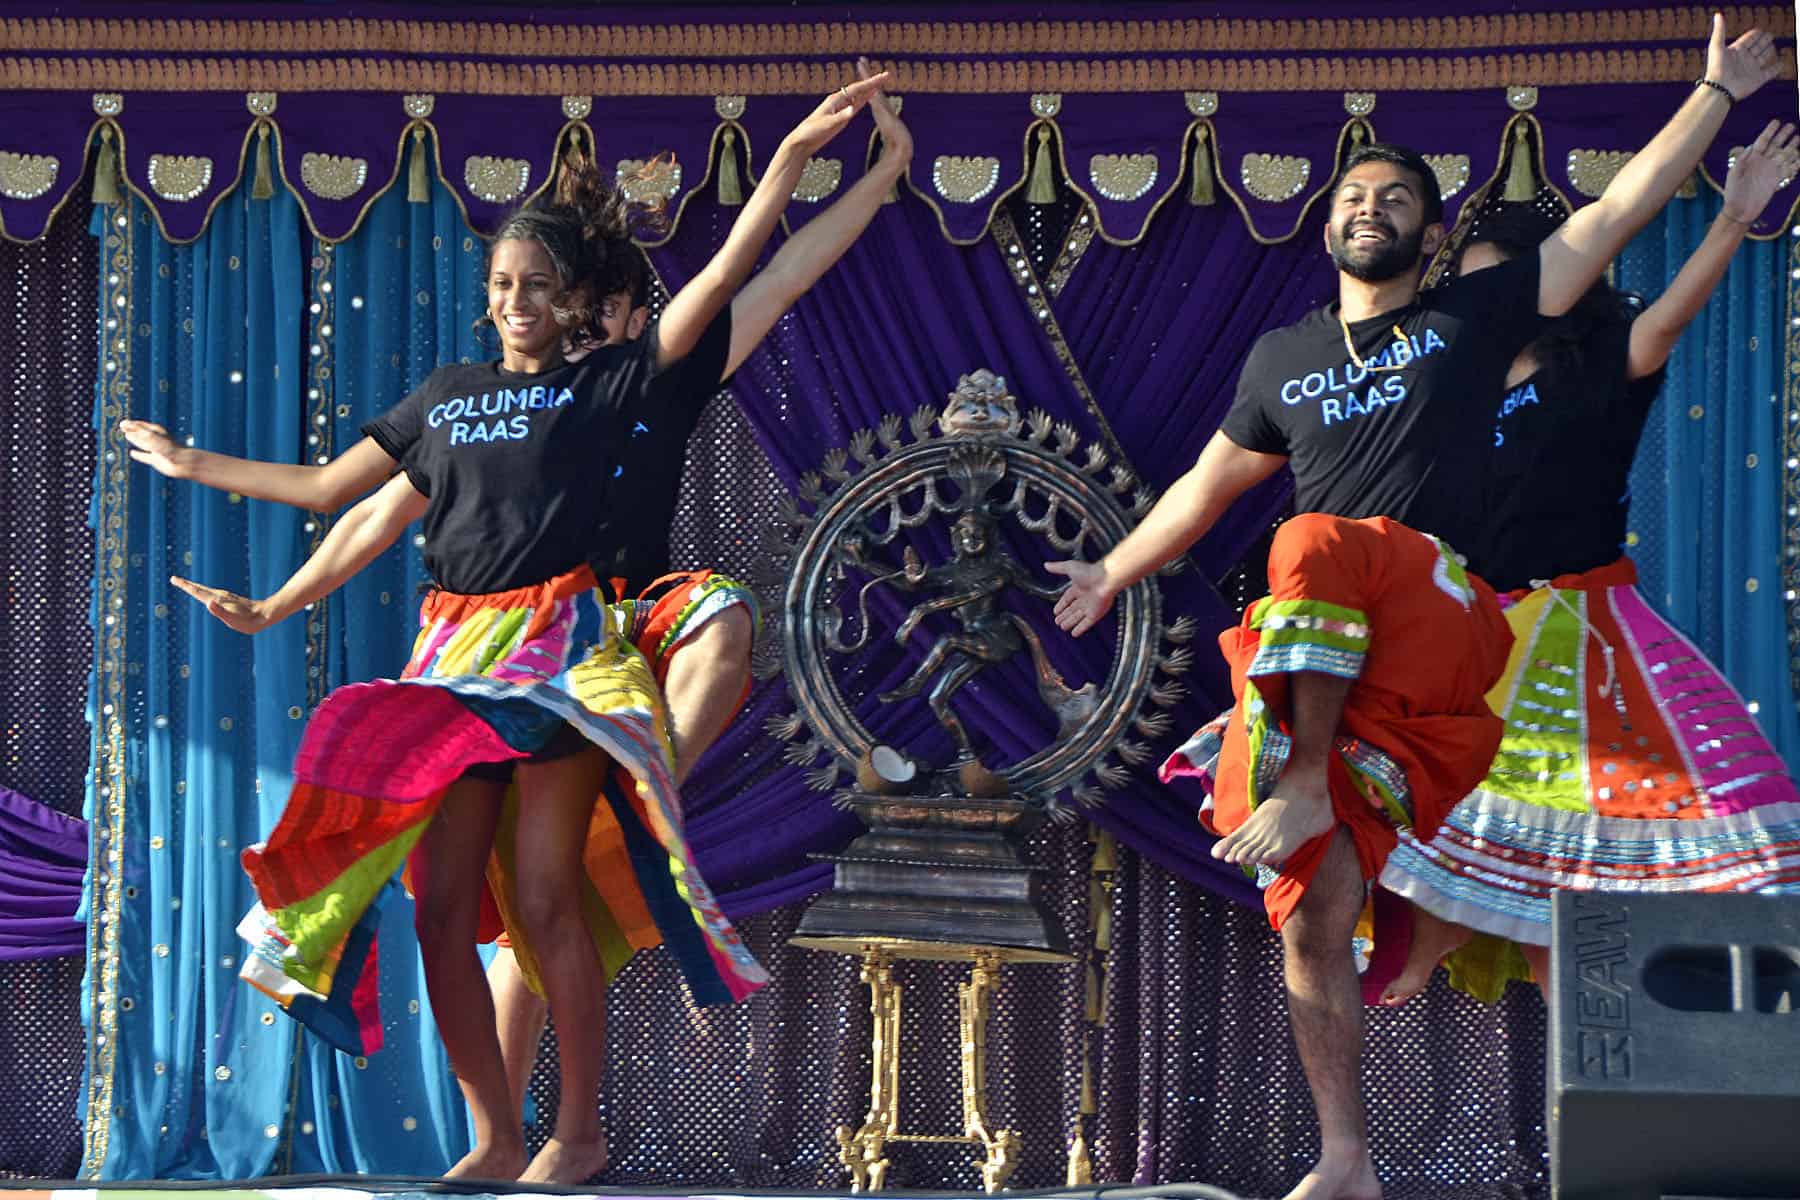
(863, 499)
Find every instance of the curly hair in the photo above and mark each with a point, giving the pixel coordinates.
(585, 225)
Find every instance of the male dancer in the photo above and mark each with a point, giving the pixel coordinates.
(1377, 405)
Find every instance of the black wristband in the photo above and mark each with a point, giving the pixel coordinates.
(1716, 86)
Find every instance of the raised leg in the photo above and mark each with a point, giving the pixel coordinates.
(1432, 939)
(1325, 1009)
(556, 802)
(448, 866)
(1299, 808)
(707, 674)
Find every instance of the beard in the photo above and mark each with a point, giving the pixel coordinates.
(1376, 264)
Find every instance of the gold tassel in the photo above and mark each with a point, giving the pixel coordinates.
(106, 170)
(1041, 188)
(731, 188)
(262, 187)
(1200, 187)
(1088, 1107)
(1359, 133)
(418, 178)
(1521, 181)
(1092, 997)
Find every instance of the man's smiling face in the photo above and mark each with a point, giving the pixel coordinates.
(1376, 230)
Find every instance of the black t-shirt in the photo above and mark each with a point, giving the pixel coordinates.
(1405, 443)
(1560, 464)
(657, 427)
(520, 467)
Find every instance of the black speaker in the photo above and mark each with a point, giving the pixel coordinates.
(1674, 1046)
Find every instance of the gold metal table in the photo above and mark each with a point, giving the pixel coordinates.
(864, 1150)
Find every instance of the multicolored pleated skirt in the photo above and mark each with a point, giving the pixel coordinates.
(1627, 763)
(492, 679)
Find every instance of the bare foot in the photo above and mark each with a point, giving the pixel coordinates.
(1339, 1177)
(494, 1160)
(1433, 938)
(569, 1163)
(1299, 812)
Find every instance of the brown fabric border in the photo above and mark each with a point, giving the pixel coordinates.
(1460, 73)
(822, 38)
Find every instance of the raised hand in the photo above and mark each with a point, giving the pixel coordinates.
(240, 612)
(1743, 65)
(152, 446)
(1760, 170)
(833, 114)
(896, 138)
(1087, 598)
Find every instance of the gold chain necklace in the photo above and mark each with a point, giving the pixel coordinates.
(1399, 335)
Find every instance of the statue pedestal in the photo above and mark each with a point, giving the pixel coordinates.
(863, 1150)
(937, 869)
(934, 878)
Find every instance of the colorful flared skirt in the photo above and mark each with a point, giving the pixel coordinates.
(1628, 763)
(492, 678)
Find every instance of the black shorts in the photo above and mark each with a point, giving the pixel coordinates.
(566, 742)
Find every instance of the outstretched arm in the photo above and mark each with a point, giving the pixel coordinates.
(1186, 511)
(1573, 257)
(324, 488)
(693, 308)
(1754, 178)
(820, 243)
(354, 541)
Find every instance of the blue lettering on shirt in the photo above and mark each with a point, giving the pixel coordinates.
(1356, 389)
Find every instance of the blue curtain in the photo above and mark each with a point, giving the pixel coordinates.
(1707, 488)
(252, 341)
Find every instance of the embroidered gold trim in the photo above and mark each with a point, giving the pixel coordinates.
(728, 108)
(1359, 104)
(640, 188)
(1081, 236)
(818, 179)
(838, 38)
(577, 108)
(1046, 104)
(1202, 104)
(1274, 177)
(261, 104)
(106, 847)
(108, 104)
(333, 176)
(965, 178)
(418, 106)
(1452, 171)
(180, 177)
(424, 78)
(497, 180)
(27, 176)
(1591, 170)
(1123, 177)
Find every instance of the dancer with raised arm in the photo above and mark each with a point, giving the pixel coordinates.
(521, 658)
(1628, 762)
(1360, 679)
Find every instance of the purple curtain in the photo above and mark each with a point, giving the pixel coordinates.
(890, 329)
(43, 854)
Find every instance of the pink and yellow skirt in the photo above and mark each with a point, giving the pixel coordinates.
(492, 679)
(1627, 763)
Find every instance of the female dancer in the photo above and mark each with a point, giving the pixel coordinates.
(519, 657)
(1627, 761)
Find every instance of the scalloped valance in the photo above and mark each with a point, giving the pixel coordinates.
(1133, 112)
